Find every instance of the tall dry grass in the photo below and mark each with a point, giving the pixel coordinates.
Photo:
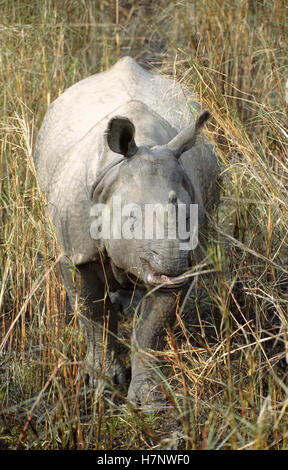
(228, 382)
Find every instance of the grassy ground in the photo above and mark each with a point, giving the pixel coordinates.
(231, 366)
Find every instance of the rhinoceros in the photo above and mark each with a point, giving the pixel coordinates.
(130, 135)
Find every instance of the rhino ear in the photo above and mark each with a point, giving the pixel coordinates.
(187, 138)
(120, 136)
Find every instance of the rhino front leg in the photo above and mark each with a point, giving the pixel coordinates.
(157, 314)
(99, 319)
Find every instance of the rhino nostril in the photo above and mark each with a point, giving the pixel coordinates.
(155, 257)
(153, 261)
(155, 253)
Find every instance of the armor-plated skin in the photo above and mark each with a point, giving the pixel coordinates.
(88, 151)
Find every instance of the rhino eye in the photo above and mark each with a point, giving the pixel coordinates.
(172, 199)
(133, 221)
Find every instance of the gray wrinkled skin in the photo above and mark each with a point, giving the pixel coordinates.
(135, 119)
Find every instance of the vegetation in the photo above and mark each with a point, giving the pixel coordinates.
(228, 381)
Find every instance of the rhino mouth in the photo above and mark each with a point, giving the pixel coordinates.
(154, 278)
(157, 279)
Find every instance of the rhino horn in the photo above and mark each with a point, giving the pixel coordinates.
(187, 138)
(120, 136)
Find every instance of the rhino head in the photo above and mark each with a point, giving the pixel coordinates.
(129, 192)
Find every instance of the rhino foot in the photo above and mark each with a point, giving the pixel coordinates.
(147, 394)
(101, 375)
